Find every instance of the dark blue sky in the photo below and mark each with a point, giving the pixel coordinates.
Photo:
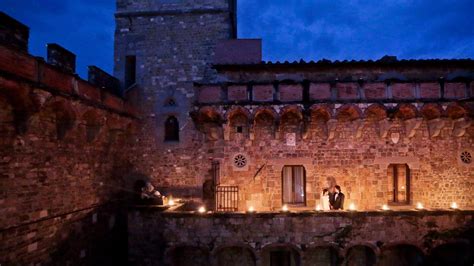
(291, 29)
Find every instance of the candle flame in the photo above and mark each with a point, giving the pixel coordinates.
(171, 202)
(352, 207)
(385, 207)
(318, 207)
(454, 205)
(419, 206)
(202, 209)
(284, 208)
(251, 209)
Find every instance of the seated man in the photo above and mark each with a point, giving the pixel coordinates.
(151, 196)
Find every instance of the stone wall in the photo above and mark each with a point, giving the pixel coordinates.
(327, 238)
(63, 150)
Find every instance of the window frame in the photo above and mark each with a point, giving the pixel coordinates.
(293, 185)
(394, 190)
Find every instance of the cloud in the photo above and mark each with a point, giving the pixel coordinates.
(359, 29)
(291, 29)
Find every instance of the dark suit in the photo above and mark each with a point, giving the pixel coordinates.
(337, 203)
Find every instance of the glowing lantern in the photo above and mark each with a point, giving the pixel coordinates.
(284, 208)
(202, 209)
(385, 207)
(251, 209)
(171, 202)
(454, 206)
(419, 206)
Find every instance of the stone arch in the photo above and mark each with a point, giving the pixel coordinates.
(406, 111)
(361, 255)
(234, 254)
(93, 123)
(348, 112)
(401, 254)
(321, 112)
(264, 122)
(375, 112)
(286, 252)
(327, 254)
(239, 121)
(431, 111)
(184, 255)
(7, 118)
(59, 117)
(210, 123)
(456, 111)
(454, 253)
(291, 120)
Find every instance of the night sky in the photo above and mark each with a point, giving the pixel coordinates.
(291, 29)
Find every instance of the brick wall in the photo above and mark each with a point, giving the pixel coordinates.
(62, 158)
(302, 233)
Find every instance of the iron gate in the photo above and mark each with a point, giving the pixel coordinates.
(227, 198)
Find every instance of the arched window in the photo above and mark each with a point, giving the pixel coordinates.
(171, 129)
(294, 184)
(399, 183)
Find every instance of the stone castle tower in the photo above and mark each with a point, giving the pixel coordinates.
(161, 48)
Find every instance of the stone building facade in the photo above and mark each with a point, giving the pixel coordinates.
(199, 114)
(387, 131)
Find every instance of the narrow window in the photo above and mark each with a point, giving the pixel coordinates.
(130, 70)
(293, 184)
(399, 183)
(216, 172)
(171, 129)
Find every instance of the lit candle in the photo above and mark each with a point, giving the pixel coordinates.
(454, 205)
(171, 202)
(352, 207)
(202, 209)
(419, 206)
(318, 207)
(385, 207)
(284, 208)
(251, 209)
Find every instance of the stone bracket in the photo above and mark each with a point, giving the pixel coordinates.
(411, 125)
(460, 127)
(383, 127)
(435, 126)
(331, 128)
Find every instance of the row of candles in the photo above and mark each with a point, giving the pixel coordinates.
(352, 207)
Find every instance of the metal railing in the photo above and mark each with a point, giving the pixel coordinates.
(227, 198)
